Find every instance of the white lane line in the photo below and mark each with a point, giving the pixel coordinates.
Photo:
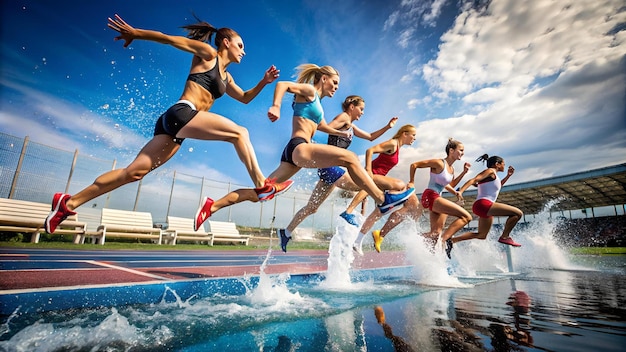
(137, 272)
(76, 287)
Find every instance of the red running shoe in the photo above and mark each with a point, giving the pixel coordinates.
(203, 213)
(271, 189)
(509, 241)
(58, 213)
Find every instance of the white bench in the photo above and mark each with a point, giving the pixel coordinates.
(125, 224)
(181, 229)
(25, 216)
(223, 231)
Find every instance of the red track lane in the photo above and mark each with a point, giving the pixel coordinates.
(95, 272)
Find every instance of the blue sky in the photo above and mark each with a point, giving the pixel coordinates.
(540, 83)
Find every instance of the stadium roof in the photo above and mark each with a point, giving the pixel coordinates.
(583, 190)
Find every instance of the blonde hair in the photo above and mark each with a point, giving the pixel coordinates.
(311, 73)
(351, 100)
(401, 130)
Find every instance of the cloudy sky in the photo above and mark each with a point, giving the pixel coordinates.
(538, 82)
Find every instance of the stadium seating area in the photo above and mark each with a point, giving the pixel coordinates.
(609, 231)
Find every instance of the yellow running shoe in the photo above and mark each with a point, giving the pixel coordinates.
(378, 240)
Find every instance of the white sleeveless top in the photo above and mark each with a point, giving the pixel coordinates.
(489, 190)
(439, 181)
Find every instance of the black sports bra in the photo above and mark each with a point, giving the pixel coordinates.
(340, 141)
(210, 80)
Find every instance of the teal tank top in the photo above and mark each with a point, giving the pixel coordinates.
(311, 110)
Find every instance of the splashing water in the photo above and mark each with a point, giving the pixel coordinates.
(430, 268)
(539, 247)
(271, 290)
(340, 255)
(475, 258)
(270, 311)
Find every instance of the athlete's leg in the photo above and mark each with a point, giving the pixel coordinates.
(411, 208)
(514, 214)
(320, 193)
(154, 154)
(369, 222)
(437, 221)
(210, 126)
(484, 225)
(356, 200)
(444, 206)
(282, 173)
(384, 183)
(309, 155)
(346, 182)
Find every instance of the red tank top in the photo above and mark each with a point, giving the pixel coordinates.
(384, 162)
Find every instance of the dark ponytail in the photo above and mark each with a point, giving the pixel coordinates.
(203, 31)
(491, 161)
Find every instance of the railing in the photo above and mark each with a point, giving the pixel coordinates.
(33, 171)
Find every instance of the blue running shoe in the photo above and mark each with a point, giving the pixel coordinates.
(283, 240)
(350, 218)
(393, 200)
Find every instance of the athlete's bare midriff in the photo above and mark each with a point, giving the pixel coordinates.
(303, 128)
(200, 97)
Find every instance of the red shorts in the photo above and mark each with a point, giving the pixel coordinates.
(481, 207)
(428, 198)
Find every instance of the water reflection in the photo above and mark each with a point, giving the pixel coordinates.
(345, 331)
(553, 310)
(508, 338)
(399, 345)
(542, 310)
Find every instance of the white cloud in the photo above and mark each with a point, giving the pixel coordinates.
(539, 83)
(434, 12)
(50, 118)
(534, 38)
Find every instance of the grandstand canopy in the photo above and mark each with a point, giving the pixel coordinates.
(583, 190)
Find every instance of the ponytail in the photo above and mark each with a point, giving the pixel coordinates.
(401, 130)
(452, 144)
(203, 31)
(491, 161)
(311, 73)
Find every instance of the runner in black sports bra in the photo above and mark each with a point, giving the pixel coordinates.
(211, 80)
(193, 102)
(179, 114)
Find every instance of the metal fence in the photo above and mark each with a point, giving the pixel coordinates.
(34, 172)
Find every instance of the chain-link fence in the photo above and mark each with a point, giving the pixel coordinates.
(34, 172)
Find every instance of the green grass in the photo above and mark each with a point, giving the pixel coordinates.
(598, 250)
(254, 245)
